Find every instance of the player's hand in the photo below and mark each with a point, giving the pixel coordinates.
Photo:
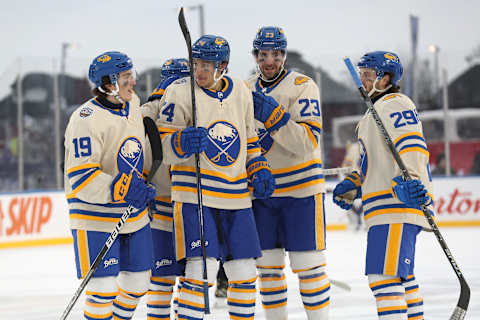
(261, 177)
(190, 140)
(270, 112)
(412, 192)
(132, 189)
(263, 184)
(347, 191)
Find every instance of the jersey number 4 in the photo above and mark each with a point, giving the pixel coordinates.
(404, 118)
(306, 110)
(168, 111)
(82, 146)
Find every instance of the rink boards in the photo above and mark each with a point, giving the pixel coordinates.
(41, 218)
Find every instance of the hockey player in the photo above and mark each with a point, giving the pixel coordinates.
(165, 268)
(230, 160)
(289, 124)
(104, 158)
(391, 205)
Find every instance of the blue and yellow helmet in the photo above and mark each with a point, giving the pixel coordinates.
(270, 38)
(211, 48)
(383, 62)
(110, 64)
(175, 67)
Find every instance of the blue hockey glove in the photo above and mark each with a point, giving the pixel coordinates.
(412, 193)
(347, 191)
(270, 112)
(132, 189)
(189, 141)
(261, 177)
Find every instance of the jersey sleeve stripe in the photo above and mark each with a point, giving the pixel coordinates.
(406, 136)
(254, 150)
(252, 140)
(412, 149)
(81, 168)
(290, 170)
(390, 208)
(312, 137)
(84, 183)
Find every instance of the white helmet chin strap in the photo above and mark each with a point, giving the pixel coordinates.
(215, 79)
(262, 76)
(374, 88)
(113, 93)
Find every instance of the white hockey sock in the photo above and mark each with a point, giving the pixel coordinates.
(100, 293)
(390, 296)
(175, 300)
(273, 290)
(241, 274)
(132, 287)
(191, 303)
(414, 299)
(315, 292)
(159, 297)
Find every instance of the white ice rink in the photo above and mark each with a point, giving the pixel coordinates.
(37, 283)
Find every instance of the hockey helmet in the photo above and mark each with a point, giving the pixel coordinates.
(211, 48)
(270, 38)
(175, 67)
(110, 64)
(383, 62)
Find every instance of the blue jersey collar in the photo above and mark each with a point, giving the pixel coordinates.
(222, 94)
(119, 110)
(260, 87)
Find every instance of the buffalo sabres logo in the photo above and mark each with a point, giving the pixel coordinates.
(219, 41)
(224, 147)
(391, 56)
(363, 161)
(104, 58)
(265, 140)
(130, 156)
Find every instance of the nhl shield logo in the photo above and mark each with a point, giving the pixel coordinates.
(130, 156)
(224, 144)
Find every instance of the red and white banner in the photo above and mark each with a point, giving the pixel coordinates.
(41, 218)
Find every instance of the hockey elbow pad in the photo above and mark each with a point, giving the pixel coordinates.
(347, 191)
(261, 177)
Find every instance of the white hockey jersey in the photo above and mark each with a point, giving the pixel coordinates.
(294, 151)
(100, 142)
(228, 117)
(377, 166)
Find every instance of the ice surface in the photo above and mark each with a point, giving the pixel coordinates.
(37, 283)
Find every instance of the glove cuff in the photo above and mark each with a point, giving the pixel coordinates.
(257, 164)
(176, 144)
(355, 178)
(120, 186)
(277, 118)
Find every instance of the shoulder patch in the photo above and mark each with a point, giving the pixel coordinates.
(301, 79)
(180, 81)
(390, 96)
(85, 112)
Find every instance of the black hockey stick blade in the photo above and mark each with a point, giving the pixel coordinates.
(156, 145)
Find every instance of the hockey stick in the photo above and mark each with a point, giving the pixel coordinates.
(188, 40)
(340, 284)
(334, 171)
(462, 305)
(157, 156)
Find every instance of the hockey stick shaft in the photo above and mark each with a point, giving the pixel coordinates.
(188, 40)
(462, 305)
(334, 171)
(157, 156)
